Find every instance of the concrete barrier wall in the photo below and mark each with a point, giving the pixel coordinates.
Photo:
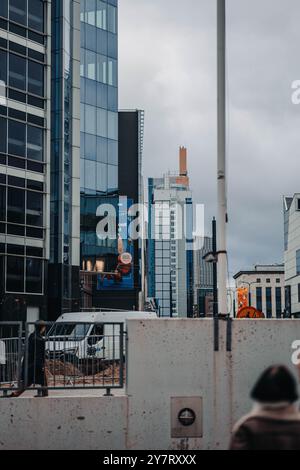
(166, 358)
(79, 423)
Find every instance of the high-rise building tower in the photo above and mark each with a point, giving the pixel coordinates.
(25, 78)
(170, 255)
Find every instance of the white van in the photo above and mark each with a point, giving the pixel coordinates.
(90, 335)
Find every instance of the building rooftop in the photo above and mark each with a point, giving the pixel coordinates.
(262, 269)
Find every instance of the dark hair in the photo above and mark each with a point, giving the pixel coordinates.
(276, 384)
(39, 325)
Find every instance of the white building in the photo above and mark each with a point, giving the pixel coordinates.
(292, 253)
(170, 263)
(265, 285)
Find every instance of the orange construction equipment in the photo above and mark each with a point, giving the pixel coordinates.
(249, 312)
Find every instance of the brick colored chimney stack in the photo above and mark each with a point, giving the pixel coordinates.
(183, 161)
(183, 172)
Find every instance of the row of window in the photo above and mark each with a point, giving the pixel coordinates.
(21, 73)
(99, 149)
(28, 13)
(22, 50)
(269, 303)
(99, 122)
(98, 41)
(98, 177)
(99, 14)
(99, 68)
(98, 94)
(24, 275)
(20, 139)
(20, 207)
(268, 281)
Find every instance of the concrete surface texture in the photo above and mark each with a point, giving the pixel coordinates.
(166, 359)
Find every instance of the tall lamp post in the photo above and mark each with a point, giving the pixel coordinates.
(222, 183)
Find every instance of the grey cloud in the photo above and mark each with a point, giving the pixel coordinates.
(168, 67)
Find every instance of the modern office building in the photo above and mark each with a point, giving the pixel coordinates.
(170, 257)
(203, 277)
(126, 292)
(292, 254)
(25, 78)
(99, 139)
(64, 167)
(264, 286)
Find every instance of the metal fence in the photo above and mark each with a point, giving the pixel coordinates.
(10, 355)
(61, 356)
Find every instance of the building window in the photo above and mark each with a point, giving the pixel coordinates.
(269, 302)
(32, 18)
(18, 11)
(268, 281)
(36, 15)
(4, 8)
(112, 19)
(34, 276)
(278, 281)
(298, 262)
(21, 208)
(14, 274)
(278, 302)
(288, 300)
(35, 78)
(258, 281)
(3, 68)
(35, 143)
(259, 299)
(3, 135)
(17, 72)
(16, 206)
(16, 138)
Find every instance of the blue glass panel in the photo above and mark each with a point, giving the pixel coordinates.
(90, 147)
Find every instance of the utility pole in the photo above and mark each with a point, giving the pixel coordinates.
(215, 268)
(222, 186)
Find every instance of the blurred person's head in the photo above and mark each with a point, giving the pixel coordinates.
(276, 385)
(40, 327)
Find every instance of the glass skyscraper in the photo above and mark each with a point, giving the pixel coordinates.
(99, 127)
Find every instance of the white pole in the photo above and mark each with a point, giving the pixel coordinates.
(222, 187)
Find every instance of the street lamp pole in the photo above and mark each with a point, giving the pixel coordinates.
(222, 183)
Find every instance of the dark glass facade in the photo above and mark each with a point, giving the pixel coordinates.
(23, 158)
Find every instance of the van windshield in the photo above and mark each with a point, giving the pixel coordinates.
(70, 331)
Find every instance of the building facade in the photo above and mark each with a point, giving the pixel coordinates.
(291, 212)
(125, 293)
(63, 275)
(203, 278)
(25, 93)
(99, 136)
(170, 255)
(264, 286)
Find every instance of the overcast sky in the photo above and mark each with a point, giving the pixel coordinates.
(167, 66)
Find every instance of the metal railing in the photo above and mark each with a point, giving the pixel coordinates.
(11, 348)
(62, 356)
